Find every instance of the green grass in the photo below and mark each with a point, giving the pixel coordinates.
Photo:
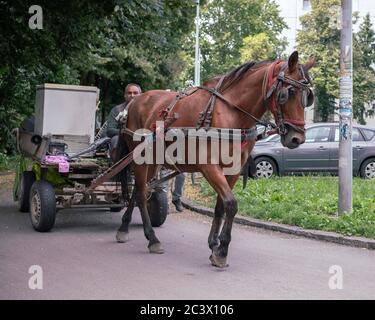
(8, 163)
(309, 202)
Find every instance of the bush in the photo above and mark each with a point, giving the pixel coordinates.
(4, 162)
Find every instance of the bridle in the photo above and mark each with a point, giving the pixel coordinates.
(278, 94)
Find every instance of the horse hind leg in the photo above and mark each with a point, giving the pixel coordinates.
(220, 253)
(140, 173)
(122, 234)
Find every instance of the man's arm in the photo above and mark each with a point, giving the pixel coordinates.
(113, 126)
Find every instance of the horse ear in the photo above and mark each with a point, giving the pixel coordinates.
(293, 61)
(309, 64)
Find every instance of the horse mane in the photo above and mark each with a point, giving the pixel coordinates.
(237, 73)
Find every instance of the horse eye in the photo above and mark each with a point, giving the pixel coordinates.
(291, 91)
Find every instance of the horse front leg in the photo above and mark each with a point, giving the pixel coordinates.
(226, 232)
(140, 173)
(220, 249)
(216, 178)
(122, 234)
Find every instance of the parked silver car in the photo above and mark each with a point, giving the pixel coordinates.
(319, 153)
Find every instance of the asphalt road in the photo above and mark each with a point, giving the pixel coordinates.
(81, 260)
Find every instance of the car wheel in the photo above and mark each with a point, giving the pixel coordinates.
(368, 169)
(265, 168)
(42, 206)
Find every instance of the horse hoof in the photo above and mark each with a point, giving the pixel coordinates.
(122, 237)
(218, 262)
(156, 248)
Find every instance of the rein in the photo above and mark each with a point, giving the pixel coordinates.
(219, 95)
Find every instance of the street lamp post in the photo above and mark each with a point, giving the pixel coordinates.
(346, 111)
(197, 75)
(197, 63)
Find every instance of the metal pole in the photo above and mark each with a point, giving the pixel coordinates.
(197, 69)
(346, 111)
(197, 77)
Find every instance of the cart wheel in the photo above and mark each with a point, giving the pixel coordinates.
(115, 209)
(157, 207)
(42, 206)
(23, 192)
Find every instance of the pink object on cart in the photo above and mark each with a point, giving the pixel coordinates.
(62, 161)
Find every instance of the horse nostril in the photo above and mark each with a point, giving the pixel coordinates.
(296, 141)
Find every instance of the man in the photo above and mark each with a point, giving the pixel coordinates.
(177, 192)
(113, 124)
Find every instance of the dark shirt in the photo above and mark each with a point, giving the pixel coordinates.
(113, 126)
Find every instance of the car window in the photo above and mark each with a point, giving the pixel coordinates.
(317, 134)
(369, 134)
(356, 135)
(274, 138)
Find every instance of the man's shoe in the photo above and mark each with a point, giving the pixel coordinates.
(178, 205)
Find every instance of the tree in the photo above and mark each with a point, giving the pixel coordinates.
(320, 37)
(257, 47)
(231, 27)
(89, 42)
(143, 43)
(30, 57)
(363, 72)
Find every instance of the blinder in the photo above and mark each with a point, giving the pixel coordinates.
(283, 95)
(307, 96)
(309, 99)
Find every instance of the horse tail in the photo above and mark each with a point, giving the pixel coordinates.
(124, 175)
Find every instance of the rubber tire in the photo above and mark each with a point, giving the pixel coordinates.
(157, 207)
(271, 162)
(47, 198)
(364, 164)
(23, 192)
(116, 209)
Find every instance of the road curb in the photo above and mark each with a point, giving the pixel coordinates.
(358, 242)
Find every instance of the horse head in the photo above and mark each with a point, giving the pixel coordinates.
(290, 94)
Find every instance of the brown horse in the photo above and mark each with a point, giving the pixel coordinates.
(237, 100)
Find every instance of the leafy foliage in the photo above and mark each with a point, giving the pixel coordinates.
(30, 57)
(230, 29)
(88, 42)
(363, 74)
(320, 37)
(257, 47)
(111, 43)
